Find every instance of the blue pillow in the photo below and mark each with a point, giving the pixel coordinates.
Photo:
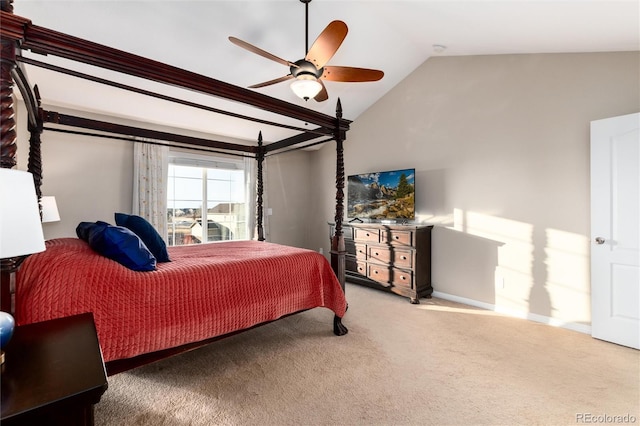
(117, 243)
(147, 233)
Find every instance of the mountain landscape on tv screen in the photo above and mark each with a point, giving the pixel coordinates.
(382, 195)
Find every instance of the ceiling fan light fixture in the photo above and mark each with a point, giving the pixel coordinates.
(309, 73)
(306, 86)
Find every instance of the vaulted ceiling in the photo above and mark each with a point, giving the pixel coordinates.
(393, 36)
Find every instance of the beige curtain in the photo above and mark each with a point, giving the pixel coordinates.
(150, 175)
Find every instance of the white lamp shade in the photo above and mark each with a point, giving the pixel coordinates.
(20, 226)
(306, 87)
(49, 209)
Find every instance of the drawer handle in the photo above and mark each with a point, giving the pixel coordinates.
(403, 257)
(367, 234)
(375, 272)
(376, 253)
(397, 237)
(402, 277)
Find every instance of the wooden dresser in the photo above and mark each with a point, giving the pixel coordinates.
(396, 258)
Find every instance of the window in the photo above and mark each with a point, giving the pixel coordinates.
(207, 200)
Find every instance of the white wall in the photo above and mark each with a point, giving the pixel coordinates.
(91, 178)
(501, 150)
(288, 188)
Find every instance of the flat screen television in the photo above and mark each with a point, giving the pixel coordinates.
(386, 195)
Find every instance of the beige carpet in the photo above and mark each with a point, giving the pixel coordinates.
(437, 363)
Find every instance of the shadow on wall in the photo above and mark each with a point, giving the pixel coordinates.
(537, 273)
(464, 265)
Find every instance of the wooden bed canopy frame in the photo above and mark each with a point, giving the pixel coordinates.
(18, 34)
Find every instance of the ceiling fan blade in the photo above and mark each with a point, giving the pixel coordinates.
(270, 82)
(322, 94)
(258, 51)
(351, 74)
(327, 43)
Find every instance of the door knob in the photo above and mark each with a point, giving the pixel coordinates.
(599, 240)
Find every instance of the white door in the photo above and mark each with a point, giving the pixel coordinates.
(615, 230)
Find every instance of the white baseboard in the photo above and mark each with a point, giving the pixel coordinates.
(582, 328)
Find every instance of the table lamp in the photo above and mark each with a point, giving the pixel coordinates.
(49, 209)
(20, 235)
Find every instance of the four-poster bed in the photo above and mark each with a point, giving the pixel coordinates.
(19, 34)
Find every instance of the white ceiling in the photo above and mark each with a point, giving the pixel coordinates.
(393, 36)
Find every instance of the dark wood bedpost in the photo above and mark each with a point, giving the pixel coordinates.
(260, 158)
(34, 165)
(11, 74)
(8, 63)
(338, 251)
(8, 137)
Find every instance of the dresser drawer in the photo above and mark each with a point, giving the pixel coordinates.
(400, 237)
(350, 246)
(403, 259)
(361, 268)
(379, 273)
(379, 254)
(370, 235)
(351, 264)
(402, 278)
(347, 232)
(361, 251)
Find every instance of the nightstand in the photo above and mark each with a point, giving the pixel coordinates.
(53, 373)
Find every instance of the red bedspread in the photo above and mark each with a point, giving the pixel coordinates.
(206, 291)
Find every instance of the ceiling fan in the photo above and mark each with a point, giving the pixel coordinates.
(309, 72)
